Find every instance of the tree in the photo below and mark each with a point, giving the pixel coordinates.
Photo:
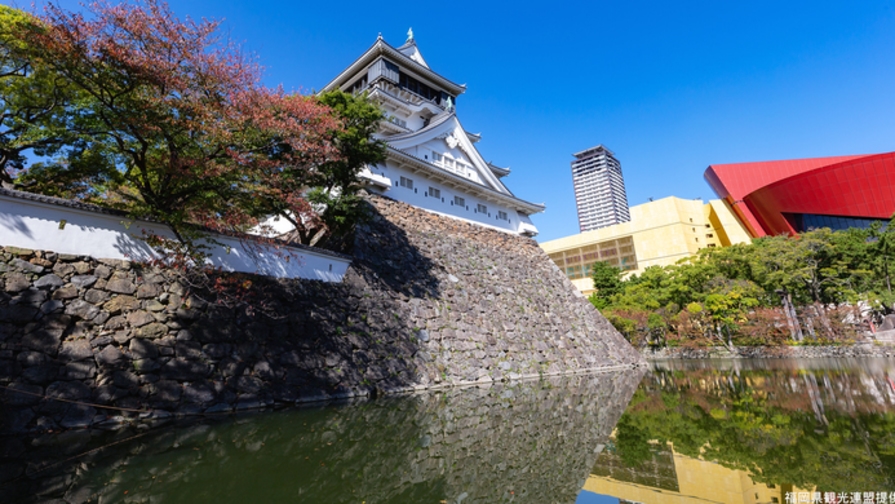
(335, 183)
(607, 282)
(176, 123)
(33, 99)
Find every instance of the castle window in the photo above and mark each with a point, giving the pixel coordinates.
(502, 215)
(480, 208)
(436, 157)
(435, 193)
(459, 201)
(406, 182)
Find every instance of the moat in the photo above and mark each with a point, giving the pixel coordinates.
(682, 431)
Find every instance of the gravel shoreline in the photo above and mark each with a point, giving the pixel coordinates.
(776, 352)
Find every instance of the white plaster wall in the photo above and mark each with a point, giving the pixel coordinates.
(417, 197)
(437, 145)
(44, 226)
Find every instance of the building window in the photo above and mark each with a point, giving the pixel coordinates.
(435, 193)
(436, 157)
(480, 208)
(502, 215)
(459, 201)
(709, 235)
(396, 120)
(406, 182)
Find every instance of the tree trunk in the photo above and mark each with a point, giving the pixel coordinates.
(728, 344)
(824, 320)
(792, 319)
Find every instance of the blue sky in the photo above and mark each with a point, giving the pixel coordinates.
(670, 87)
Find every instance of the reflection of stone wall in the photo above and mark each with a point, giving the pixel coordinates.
(522, 442)
(429, 301)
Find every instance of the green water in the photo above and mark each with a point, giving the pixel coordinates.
(820, 425)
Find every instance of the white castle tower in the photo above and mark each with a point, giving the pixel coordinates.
(432, 161)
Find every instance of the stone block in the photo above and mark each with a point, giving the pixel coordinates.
(121, 286)
(82, 370)
(44, 339)
(96, 296)
(201, 392)
(26, 266)
(63, 269)
(65, 292)
(83, 281)
(142, 349)
(76, 350)
(16, 282)
(102, 271)
(23, 394)
(82, 267)
(183, 370)
(78, 416)
(51, 306)
(139, 318)
(116, 322)
(145, 366)
(109, 356)
(81, 309)
(148, 291)
(152, 331)
(70, 390)
(40, 375)
(50, 281)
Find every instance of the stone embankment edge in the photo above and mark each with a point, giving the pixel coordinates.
(778, 352)
(415, 389)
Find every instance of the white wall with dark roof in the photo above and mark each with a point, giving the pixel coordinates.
(40, 224)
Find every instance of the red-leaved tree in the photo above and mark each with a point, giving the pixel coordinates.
(174, 124)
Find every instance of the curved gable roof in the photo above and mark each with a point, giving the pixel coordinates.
(446, 123)
(381, 48)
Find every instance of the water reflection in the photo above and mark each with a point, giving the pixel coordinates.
(526, 442)
(754, 431)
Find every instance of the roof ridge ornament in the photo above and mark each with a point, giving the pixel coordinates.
(409, 35)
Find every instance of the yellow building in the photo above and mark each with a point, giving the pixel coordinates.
(660, 233)
(673, 478)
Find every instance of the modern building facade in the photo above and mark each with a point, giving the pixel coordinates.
(660, 233)
(432, 161)
(792, 196)
(599, 189)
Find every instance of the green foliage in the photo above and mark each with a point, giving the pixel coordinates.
(742, 294)
(607, 282)
(33, 100)
(767, 429)
(336, 183)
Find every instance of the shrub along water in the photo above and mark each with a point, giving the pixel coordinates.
(805, 289)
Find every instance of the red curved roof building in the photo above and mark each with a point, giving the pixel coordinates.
(788, 197)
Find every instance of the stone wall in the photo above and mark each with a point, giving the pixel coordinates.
(429, 301)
